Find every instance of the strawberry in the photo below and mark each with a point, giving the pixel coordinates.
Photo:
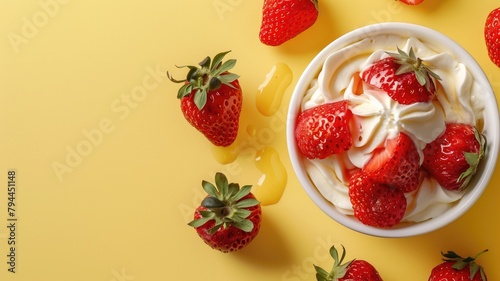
(375, 204)
(354, 270)
(453, 157)
(397, 164)
(412, 2)
(324, 130)
(211, 99)
(229, 218)
(457, 268)
(492, 35)
(282, 20)
(403, 76)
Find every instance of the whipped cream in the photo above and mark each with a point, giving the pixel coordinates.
(376, 117)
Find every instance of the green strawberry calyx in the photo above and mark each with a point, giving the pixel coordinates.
(208, 76)
(473, 159)
(459, 263)
(409, 62)
(339, 269)
(226, 204)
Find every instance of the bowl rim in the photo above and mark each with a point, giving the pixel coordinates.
(491, 129)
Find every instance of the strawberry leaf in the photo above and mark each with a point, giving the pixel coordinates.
(226, 66)
(245, 225)
(205, 63)
(212, 203)
(242, 213)
(222, 184)
(210, 189)
(217, 60)
(200, 98)
(233, 189)
(228, 78)
(244, 191)
(321, 274)
(201, 221)
(247, 203)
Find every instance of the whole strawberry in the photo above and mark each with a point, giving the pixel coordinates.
(457, 268)
(282, 20)
(211, 99)
(452, 158)
(324, 130)
(403, 76)
(492, 35)
(396, 164)
(375, 204)
(354, 270)
(229, 218)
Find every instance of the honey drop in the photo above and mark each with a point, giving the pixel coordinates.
(270, 92)
(272, 182)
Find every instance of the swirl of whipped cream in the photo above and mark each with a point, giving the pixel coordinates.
(377, 117)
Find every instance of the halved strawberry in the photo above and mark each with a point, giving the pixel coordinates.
(403, 76)
(452, 159)
(396, 164)
(324, 130)
(229, 217)
(375, 204)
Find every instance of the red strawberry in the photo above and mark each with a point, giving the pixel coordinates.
(457, 268)
(355, 270)
(403, 76)
(492, 36)
(324, 130)
(211, 99)
(375, 204)
(229, 217)
(453, 157)
(397, 164)
(412, 2)
(282, 20)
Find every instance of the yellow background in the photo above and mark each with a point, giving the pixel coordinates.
(71, 74)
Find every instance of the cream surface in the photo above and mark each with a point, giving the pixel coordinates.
(377, 117)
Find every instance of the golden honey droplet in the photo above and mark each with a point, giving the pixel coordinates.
(227, 154)
(272, 182)
(271, 91)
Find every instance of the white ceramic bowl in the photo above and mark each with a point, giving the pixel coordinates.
(491, 130)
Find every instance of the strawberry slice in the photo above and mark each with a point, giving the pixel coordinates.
(324, 130)
(403, 76)
(375, 204)
(397, 164)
